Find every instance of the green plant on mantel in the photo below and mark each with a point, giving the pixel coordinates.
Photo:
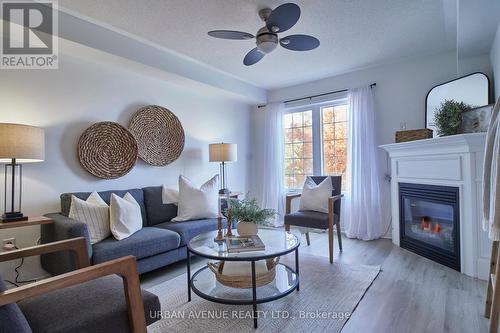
(448, 117)
(247, 210)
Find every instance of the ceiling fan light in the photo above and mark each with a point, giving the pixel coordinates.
(266, 47)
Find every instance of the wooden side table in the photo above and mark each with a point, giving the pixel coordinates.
(37, 220)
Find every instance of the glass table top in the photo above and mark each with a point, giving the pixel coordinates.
(277, 242)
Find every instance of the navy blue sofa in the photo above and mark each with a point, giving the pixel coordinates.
(159, 243)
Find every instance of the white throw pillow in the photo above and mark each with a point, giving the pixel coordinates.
(169, 195)
(315, 197)
(197, 203)
(124, 215)
(94, 212)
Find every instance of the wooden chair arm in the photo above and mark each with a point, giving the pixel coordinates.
(76, 245)
(126, 267)
(289, 198)
(334, 198)
(331, 202)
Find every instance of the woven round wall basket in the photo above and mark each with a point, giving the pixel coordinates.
(107, 150)
(159, 135)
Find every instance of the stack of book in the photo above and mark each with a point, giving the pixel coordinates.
(244, 244)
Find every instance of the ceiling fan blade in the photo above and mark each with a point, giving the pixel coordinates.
(283, 17)
(229, 34)
(299, 42)
(253, 57)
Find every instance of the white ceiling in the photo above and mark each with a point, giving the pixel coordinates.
(353, 33)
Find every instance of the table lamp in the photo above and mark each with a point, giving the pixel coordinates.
(222, 152)
(19, 144)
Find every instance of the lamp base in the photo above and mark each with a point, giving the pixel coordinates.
(13, 217)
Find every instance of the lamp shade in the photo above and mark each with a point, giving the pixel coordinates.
(23, 142)
(222, 152)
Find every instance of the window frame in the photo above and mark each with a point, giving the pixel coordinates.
(317, 130)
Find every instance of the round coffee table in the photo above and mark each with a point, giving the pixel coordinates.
(204, 284)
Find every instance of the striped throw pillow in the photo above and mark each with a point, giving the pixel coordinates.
(94, 212)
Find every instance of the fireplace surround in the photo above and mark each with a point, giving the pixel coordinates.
(429, 219)
(453, 162)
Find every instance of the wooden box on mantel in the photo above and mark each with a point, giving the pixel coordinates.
(412, 135)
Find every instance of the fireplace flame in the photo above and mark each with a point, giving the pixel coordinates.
(427, 225)
(436, 229)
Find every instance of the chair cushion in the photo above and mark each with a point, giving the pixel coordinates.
(106, 196)
(12, 320)
(145, 243)
(95, 306)
(309, 219)
(189, 229)
(156, 211)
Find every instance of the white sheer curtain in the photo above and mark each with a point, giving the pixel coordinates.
(363, 207)
(273, 193)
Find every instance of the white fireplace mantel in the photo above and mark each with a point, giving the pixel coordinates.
(449, 161)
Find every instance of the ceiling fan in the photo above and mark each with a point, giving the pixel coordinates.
(276, 21)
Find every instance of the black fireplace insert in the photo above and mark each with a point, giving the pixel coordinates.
(429, 222)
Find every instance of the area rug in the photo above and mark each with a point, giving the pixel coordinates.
(328, 295)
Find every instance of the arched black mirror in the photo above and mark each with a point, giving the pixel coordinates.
(471, 89)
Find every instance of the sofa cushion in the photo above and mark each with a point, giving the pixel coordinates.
(12, 319)
(189, 229)
(156, 211)
(145, 243)
(309, 219)
(95, 306)
(106, 196)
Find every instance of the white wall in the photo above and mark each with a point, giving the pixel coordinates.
(399, 95)
(495, 62)
(88, 89)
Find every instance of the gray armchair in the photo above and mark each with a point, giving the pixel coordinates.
(102, 298)
(318, 220)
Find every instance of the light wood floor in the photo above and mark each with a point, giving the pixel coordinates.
(411, 294)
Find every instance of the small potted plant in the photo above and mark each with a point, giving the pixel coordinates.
(448, 117)
(248, 214)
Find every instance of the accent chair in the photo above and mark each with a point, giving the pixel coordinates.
(318, 220)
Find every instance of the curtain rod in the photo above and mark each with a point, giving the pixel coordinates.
(314, 96)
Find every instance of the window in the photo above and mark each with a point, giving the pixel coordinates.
(315, 142)
(298, 148)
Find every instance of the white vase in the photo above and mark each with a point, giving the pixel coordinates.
(246, 229)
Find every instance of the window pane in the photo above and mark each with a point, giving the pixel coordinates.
(287, 120)
(328, 148)
(288, 150)
(308, 118)
(299, 181)
(308, 150)
(340, 130)
(308, 134)
(298, 150)
(298, 147)
(335, 141)
(328, 132)
(341, 113)
(308, 166)
(298, 134)
(288, 135)
(327, 115)
(297, 119)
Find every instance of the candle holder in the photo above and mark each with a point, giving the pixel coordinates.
(229, 232)
(219, 237)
